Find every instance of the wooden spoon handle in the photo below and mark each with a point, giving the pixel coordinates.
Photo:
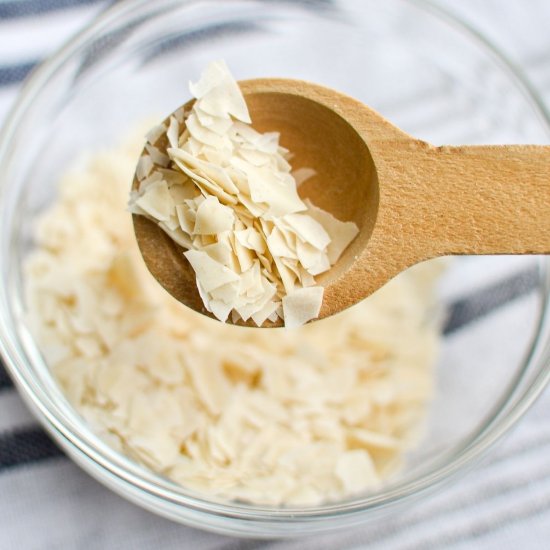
(438, 201)
(480, 199)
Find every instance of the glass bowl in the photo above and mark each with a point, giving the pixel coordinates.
(415, 64)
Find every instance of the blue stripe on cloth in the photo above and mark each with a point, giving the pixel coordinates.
(12, 74)
(24, 446)
(5, 380)
(485, 300)
(23, 8)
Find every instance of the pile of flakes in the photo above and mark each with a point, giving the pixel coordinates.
(274, 416)
(226, 194)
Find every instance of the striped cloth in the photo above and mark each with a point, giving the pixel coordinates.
(46, 502)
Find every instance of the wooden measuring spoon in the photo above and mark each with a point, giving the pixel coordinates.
(411, 200)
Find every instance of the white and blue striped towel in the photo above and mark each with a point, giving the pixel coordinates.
(46, 502)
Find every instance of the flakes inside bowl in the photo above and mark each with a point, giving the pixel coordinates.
(271, 417)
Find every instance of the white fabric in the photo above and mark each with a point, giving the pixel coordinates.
(503, 504)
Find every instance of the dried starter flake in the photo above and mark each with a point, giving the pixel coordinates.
(210, 273)
(302, 305)
(236, 187)
(271, 417)
(356, 470)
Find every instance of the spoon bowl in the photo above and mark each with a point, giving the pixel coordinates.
(411, 201)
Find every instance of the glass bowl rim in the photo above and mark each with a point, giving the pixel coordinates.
(68, 430)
